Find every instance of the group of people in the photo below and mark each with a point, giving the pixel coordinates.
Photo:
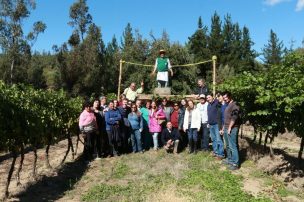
(130, 125)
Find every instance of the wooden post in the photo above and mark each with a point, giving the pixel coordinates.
(119, 78)
(214, 58)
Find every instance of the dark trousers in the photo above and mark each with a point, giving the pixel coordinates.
(183, 139)
(89, 142)
(113, 145)
(98, 144)
(204, 136)
(125, 139)
(147, 138)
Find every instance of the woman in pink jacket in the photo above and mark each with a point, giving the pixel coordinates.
(155, 118)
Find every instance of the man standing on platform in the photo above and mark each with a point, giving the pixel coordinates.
(162, 65)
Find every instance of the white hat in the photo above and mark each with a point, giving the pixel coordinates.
(202, 96)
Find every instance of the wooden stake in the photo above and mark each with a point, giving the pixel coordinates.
(214, 58)
(119, 78)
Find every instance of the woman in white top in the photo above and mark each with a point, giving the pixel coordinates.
(192, 124)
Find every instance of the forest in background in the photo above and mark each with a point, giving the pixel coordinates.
(84, 65)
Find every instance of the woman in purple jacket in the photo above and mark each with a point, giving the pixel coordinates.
(155, 118)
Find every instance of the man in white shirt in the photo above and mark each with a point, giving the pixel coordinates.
(204, 132)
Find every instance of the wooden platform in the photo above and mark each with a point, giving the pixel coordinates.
(152, 96)
(162, 91)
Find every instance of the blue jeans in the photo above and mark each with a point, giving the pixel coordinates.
(227, 144)
(155, 140)
(217, 142)
(233, 146)
(205, 137)
(136, 140)
(192, 134)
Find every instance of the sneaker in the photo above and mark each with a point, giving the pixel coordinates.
(233, 167)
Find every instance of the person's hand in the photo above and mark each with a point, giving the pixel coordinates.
(171, 73)
(142, 83)
(229, 131)
(221, 132)
(140, 130)
(208, 126)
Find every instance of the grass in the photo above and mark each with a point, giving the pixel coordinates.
(159, 176)
(120, 170)
(206, 175)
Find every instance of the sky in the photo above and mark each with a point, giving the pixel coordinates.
(177, 17)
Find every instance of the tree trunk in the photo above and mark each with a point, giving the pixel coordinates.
(35, 162)
(255, 135)
(12, 69)
(10, 173)
(260, 138)
(265, 141)
(20, 166)
(72, 147)
(66, 153)
(301, 149)
(77, 142)
(47, 160)
(270, 146)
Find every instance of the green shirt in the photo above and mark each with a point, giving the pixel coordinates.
(162, 64)
(145, 114)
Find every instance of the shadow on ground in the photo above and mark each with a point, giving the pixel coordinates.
(51, 188)
(290, 164)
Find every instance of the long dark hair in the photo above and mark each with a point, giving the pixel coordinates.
(188, 107)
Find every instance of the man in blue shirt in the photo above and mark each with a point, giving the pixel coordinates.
(213, 122)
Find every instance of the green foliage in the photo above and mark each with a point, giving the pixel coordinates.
(198, 46)
(273, 101)
(111, 96)
(273, 51)
(80, 18)
(15, 45)
(35, 117)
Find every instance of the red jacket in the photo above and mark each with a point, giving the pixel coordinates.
(174, 119)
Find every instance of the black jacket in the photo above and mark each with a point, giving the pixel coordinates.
(201, 90)
(166, 135)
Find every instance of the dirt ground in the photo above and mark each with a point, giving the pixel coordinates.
(56, 154)
(67, 182)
